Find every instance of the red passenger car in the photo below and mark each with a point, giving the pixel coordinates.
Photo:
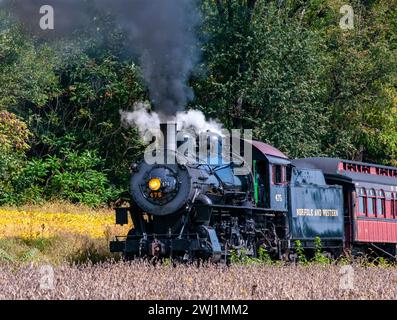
(370, 201)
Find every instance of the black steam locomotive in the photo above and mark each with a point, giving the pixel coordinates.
(208, 206)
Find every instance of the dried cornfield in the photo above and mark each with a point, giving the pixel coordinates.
(27, 243)
(139, 280)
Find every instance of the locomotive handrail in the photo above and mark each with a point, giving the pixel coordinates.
(150, 236)
(220, 206)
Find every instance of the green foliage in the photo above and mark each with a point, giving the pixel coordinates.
(76, 177)
(319, 256)
(14, 136)
(94, 91)
(287, 70)
(264, 256)
(26, 72)
(11, 167)
(283, 68)
(234, 257)
(69, 94)
(73, 176)
(362, 70)
(241, 257)
(167, 262)
(266, 73)
(4, 256)
(383, 263)
(300, 251)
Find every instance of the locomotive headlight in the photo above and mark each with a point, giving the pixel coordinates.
(160, 185)
(155, 184)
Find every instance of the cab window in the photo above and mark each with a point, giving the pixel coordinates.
(279, 174)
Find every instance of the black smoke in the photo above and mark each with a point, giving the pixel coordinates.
(161, 36)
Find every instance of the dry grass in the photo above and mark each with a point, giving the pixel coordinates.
(66, 249)
(60, 206)
(56, 233)
(56, 219)
(138, 280)
(68, 237)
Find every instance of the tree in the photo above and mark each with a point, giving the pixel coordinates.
(26, 72)
(362, 74)
(287, 70)
(69, 93)
(14, 137)
(265, 72)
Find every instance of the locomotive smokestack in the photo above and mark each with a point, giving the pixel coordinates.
(169, 132)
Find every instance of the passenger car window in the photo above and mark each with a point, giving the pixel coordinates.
(380, 204)
(362, 199)
(371, 202)
(361, 205)
(394, 206)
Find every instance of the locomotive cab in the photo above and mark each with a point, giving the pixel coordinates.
(271, 173)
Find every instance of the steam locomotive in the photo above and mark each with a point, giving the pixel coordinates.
(188, 206)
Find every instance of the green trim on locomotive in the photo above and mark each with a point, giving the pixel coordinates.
(256, 184)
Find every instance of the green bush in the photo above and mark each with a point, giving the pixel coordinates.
(11, 167)
(319, 256)
(241, 257)
(76, 177)
(73, 176)
(14, 136)
(300, 252)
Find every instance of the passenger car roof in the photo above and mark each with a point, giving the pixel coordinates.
(353, 171)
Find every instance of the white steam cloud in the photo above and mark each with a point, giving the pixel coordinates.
(144, 120)
(195, 120)
(141, 118)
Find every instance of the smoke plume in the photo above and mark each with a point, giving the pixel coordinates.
(162, 36)
(69, 16)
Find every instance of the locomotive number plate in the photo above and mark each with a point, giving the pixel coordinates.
(156, 195)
